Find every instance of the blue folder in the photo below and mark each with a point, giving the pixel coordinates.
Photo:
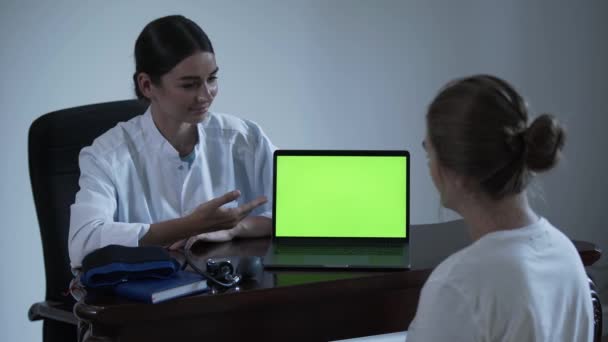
(182, 283)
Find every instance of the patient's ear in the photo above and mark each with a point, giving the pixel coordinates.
(455, 185)
(466, 185)
(460, 182)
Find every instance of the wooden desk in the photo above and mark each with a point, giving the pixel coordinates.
(281, 306)
(278, 306)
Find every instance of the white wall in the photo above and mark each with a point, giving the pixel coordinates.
(314, 74)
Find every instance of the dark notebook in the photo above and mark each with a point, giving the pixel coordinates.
(182, 283)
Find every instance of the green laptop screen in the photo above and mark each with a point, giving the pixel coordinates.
(341, 196)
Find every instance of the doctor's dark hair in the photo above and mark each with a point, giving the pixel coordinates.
(478, 127)
(164, 43)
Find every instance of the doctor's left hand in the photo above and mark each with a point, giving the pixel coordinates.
(216, 236)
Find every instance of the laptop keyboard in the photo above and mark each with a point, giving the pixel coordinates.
(335, 250)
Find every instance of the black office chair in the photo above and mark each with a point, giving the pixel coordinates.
(597, 312)
(55, 140)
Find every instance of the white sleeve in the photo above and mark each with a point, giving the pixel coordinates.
(442, 315)
(93, 215)
(263, 173)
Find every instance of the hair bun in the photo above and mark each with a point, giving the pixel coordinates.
(544, 141)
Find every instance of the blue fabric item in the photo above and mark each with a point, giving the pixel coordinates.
(114, 264)
(115, 273)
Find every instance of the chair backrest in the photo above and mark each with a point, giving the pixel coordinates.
(432, 243)
(54, 142)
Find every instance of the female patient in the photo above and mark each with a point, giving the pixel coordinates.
(521, 279)
(176, 171)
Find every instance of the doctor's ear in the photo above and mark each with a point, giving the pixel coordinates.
(145, 85)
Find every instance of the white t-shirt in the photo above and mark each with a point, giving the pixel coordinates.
(131, 176)
(526, 284)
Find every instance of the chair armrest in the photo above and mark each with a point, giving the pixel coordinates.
(52, 310)
(597, 312)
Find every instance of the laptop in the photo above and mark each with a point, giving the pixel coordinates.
(340, 210)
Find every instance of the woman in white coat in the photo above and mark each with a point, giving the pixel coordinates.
(179, 171)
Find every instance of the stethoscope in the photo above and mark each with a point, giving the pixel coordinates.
(220, 271)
